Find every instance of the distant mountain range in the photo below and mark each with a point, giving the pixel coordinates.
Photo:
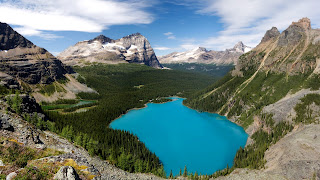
(133, 48)
(204, 56)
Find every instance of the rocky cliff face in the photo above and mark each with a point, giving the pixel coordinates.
(9, 39)
(204, 56)
(21, 60)
(134, 48)
(293, 51)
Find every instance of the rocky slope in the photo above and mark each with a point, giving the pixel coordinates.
(17, 133)
(204, 56)
(21, 60)
(134, 48)
(296, 156)
(274, 86)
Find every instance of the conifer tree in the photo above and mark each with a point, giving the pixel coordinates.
(185, 172)
(171, 175)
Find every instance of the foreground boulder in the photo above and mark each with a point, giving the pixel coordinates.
(66, 173)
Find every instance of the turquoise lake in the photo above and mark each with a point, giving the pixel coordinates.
(179, 136)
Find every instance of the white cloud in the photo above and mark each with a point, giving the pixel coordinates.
(248, 20)
(189, 46)
(161, 48)
(72, 15)
(170, 35)
(26, 31)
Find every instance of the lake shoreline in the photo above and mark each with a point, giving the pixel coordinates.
(145, 106)
(165, 129)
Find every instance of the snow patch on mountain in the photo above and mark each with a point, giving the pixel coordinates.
(133, 48)
(204, 56)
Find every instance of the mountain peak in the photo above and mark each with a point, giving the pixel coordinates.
(10, 39)
(25, 61)
(270, 34)
(305, 23)
(239, 45)
(134, 35)
(101, 38)
(200, 49)
(133, 48)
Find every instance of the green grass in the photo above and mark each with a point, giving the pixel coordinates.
(50, 89)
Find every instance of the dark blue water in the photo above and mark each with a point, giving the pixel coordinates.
(180, 136)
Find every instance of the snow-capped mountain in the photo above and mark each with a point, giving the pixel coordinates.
(134, 48)
(204, 56)
(240, 47)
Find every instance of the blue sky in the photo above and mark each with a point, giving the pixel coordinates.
(176, 25)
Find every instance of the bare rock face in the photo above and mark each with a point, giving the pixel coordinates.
(4, 124)
(305, 23)
(22, 60)
(272, 33)
(297, 155)
(204, 56)
(66, 173)
(9, 39)
(134, 48)
(293, 51)
(291, 36)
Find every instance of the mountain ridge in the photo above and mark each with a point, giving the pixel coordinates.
(134, 48)
(22, 60)
(202, 55)
(28, 67)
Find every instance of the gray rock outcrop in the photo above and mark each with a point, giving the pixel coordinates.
(66, 173)
(272, 33)
(1, 163)
(4, 123)
(11, 176)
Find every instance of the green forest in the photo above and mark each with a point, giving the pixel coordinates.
(121, 88)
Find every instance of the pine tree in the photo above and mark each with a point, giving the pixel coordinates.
(180, 172)
(196, 177)
(191, 176)
(79, 139)
(171, 175)
(185, 172)
(16, 103)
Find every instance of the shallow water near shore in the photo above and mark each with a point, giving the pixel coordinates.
(179, 136)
